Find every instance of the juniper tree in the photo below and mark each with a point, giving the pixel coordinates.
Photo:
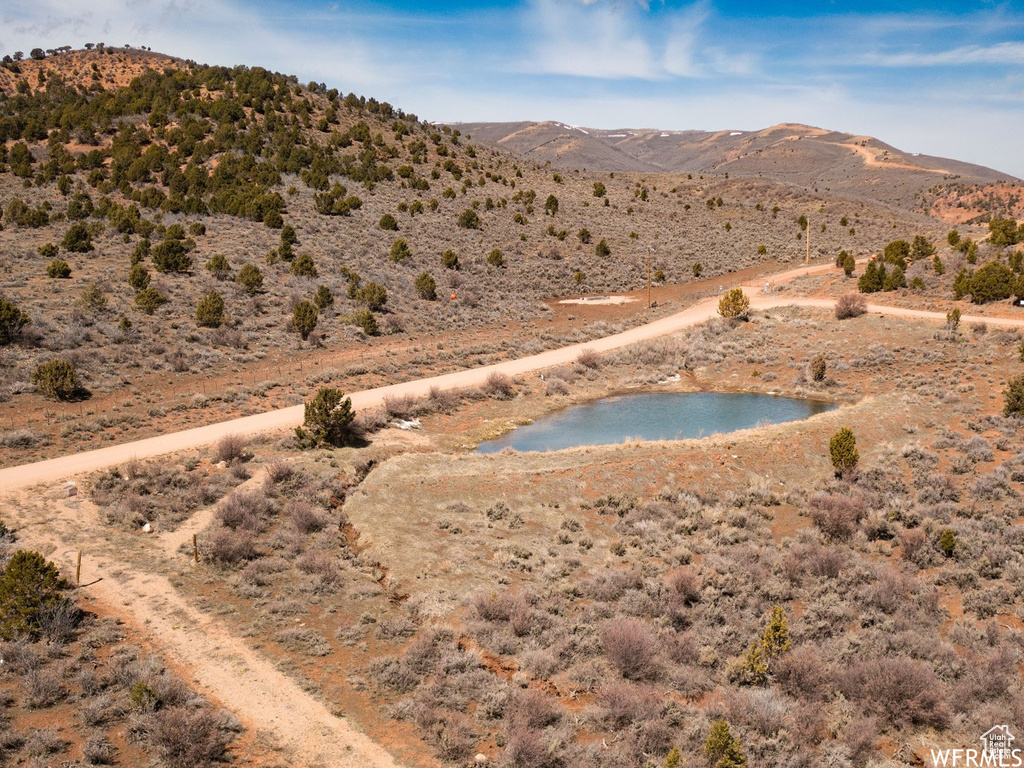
(1014, 396)
(29, 584)
(374, 295)
(323, 298)
(400, 250)
(58, 268)
(251, 278)
(426, 286)
(56, 379)
(734, 305)
(468, 219)
(842, 449)
(947, 542)
(304, 318)
(218, 266)
(148, 299)
(304, 266)
(722, 748)
(817, 368)
(210, 310)
(872, 279)
(450, 259)
(12, 320)
(327, 420)
(894, 280)
(77, 239)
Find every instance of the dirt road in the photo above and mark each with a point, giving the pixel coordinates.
(225, 666)
(68, 467)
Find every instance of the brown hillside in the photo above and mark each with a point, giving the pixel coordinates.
(813, 158)
(113, 68)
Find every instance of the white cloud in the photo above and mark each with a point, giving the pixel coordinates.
(593, 40)
(689, 51)
(615, 41)
(682, 52)
(997, 53)
(617, 3)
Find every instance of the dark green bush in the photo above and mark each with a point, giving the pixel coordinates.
(149, 299)
(400, 250)
(323, 298)
(210, 310)
(218, 266)
(842, 450)
(993, 282)
(468, 219)
(897, 252)
(364, 319)
(374, 295)
(304, 266)
(450, 259)
(251, 278)
(1014, 396)
(56, 379)
(426, 286)
(77, 239)
(29, 584)
(328, 420)
(304, 318)
(872, 279)
(172, 256)
(12, 320)
(58, 268)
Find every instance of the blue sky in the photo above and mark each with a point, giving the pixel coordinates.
(938, 77)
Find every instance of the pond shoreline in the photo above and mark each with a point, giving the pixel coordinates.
(652, 416)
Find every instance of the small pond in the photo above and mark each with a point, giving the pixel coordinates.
(653, 416)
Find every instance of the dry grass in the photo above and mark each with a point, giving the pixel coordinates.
(79, 696)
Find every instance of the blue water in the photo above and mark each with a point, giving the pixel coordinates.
(653, 416)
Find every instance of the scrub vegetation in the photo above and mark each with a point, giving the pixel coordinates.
(843, 591)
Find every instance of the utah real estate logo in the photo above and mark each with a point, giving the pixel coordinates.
(997, 751)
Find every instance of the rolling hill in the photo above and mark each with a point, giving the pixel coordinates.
(830, 161)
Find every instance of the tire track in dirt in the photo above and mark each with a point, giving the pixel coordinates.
(216, 663)
(170, 542)
(225, 669)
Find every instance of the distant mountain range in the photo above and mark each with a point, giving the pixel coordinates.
(809, 157)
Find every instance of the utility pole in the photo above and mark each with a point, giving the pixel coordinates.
(649, 277)
(807, 258)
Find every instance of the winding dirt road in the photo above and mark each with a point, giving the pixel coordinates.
(223, 666)
(68, 467)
